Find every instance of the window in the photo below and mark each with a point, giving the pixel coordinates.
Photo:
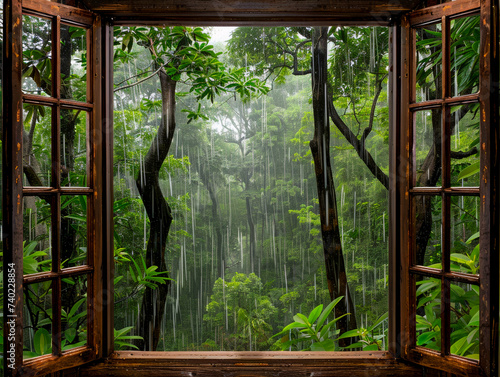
(53, 263)
(439, 99)
(446, 241)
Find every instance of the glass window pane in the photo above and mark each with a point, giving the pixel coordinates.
(37, 320)
(74, 312)
(37, 53)
(428, 317)
(429, 63)
(73, 230)
(464, 145)
(464, 320)
(74, 126)
(427, 142)
(37, 235)
(427, 230)
(73, 63)
(37, 144)
(464, 55)
(465, 234)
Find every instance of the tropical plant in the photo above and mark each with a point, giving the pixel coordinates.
(122, 340)
(368, 339)
(464, 315)
(311, 333)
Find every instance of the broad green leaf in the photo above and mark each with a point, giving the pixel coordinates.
(371, 347)
(468, 171)
(315, 313)
(429, 313)
(30, 265)
(427, 285)
(42, 341)
(293, 325)
(121, 332)
(354, 345)
(326, 345)
(424, 338)
(455, 347)
(471, 336)
(459, 291)
(327, 311)
(472, 238)
(350, 334)
(301, 318)
(76, 306)
(70, 334)
(460, 258)
(474, 321)
(326, 328)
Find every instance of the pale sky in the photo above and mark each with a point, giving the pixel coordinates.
(221, 34)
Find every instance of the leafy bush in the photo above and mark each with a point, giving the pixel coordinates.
(312, 333)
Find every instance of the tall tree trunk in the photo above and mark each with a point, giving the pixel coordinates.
(251, 234)
(216, 220)
(320, 148)
(246, 176)
(159, 214)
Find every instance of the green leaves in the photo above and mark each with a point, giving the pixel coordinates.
(34, 261)
(367, 340)
(464, 314)
(146, 276)
(312, 330)
(469, 171)
(121, 339)
(42, 342)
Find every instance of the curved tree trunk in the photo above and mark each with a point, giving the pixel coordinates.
(320, 148)
(159, 214)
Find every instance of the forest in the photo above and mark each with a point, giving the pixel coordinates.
(251, 176)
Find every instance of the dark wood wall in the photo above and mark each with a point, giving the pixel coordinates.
(269, 12)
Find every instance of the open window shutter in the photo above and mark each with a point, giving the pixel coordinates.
(54, 153)
(448, 187)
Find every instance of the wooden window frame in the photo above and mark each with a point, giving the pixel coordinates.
(14, 191)
(487, 280)
(266, 363)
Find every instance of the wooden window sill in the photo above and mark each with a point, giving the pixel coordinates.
(349, 364)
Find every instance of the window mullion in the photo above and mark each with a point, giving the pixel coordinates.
(56, 268)
(56, 50)
(445, 56)
(489, 186)
(445, 316)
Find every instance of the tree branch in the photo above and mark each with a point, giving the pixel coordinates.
(32, 176)
(368, 129)
(458, 155)
(359, 147)
(140, 81)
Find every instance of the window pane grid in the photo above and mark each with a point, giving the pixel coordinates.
(64, 332)
(454, 149)
(64, 103)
